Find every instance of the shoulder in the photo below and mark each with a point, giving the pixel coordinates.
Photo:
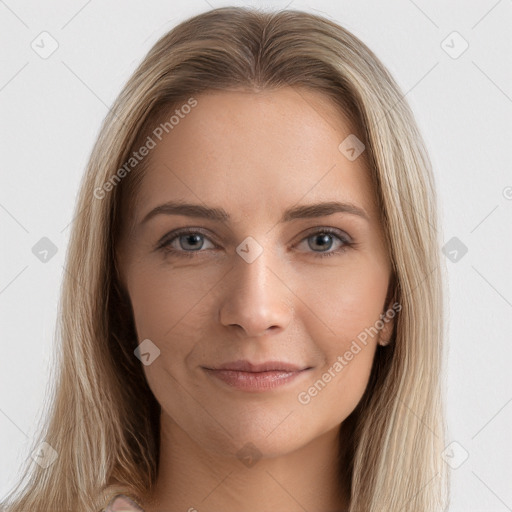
(122, 503)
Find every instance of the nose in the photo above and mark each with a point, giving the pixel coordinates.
(256, 300)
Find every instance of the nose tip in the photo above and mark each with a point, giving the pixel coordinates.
(256, 316)
(255, 300)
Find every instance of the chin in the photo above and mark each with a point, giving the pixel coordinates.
(253, 442)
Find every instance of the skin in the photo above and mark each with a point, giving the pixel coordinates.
(255, 154)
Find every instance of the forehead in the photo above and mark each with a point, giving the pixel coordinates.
(256, 152)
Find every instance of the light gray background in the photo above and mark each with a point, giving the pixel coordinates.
(51, 110)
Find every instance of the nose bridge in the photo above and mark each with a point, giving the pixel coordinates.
(256, 299)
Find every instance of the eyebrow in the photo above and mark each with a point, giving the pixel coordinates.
(219, 214)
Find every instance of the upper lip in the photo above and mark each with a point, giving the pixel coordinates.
(243, 365)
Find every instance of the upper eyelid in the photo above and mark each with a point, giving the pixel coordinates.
(330, 230)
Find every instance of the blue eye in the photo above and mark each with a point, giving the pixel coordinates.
(325, 239)
(188, 242)
(194, 239)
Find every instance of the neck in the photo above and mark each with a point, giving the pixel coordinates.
(192, 478)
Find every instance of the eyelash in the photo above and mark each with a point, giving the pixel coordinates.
(170, 237)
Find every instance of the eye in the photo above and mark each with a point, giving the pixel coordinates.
(185, 242)
(321, 241)
(189, 242)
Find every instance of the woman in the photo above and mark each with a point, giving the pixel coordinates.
(252, 315)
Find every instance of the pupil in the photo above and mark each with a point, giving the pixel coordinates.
(193, 239)
(325, 241)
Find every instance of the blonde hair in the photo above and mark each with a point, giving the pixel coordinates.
(103, 419)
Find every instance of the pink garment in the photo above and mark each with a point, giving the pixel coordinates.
(121, 503)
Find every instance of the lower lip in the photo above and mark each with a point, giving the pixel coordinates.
(255, 381)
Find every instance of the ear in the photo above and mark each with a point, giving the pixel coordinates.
(388, 316)
(386, 332)
(122, 503)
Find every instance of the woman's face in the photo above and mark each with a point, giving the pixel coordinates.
(257, 279)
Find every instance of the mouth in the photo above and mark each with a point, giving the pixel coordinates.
(246, 376)
(242, 365)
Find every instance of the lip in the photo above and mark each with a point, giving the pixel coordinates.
(242, 365)
(246, 376)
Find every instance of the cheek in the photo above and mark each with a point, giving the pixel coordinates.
(340, 314)
(171, 308)
(343, 302)
(166, 300)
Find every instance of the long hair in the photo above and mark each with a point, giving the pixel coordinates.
(102, 419)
